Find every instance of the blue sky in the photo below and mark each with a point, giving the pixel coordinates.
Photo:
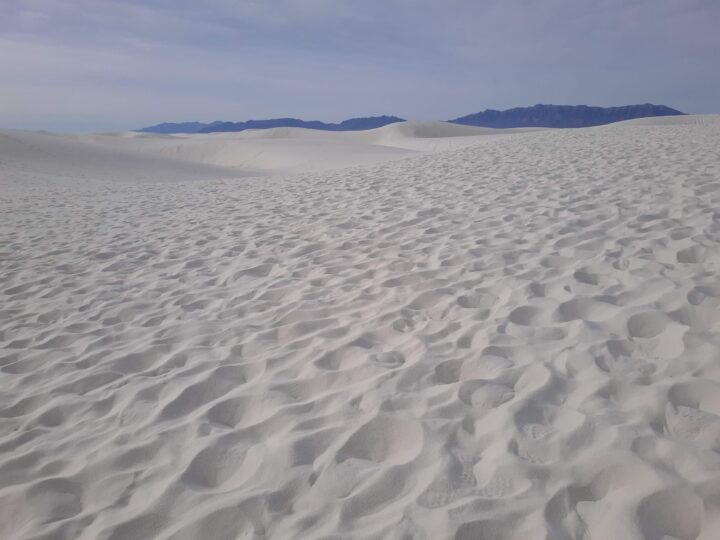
(121, 64)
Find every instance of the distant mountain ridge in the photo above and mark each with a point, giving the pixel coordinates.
(562, 116)
(549, 116)
(174, 127)
(353, 124)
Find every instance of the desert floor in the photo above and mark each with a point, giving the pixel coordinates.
(420, 332)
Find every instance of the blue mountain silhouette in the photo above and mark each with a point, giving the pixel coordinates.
(551, 116)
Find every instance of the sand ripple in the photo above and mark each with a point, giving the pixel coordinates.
(515, 340)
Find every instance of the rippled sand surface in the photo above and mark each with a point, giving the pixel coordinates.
(518, 339)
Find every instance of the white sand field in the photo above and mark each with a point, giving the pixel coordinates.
(424, 331)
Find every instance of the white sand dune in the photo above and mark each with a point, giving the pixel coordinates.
(164, 158)
(685, 120)
(287, 150)
(50, 156)
(513, 340)
(271, 154)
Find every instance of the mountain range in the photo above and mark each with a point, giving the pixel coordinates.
(549, 116)
(562, 116)
(353, 124)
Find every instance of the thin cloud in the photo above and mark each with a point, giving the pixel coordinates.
(136, 62)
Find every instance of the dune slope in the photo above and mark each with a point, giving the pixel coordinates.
(288, 150)
(32, 156)
(143, 157)
(515, 340)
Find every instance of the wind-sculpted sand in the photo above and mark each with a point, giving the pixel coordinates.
(518, 339)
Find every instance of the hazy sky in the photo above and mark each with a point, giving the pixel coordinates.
(120, 64)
